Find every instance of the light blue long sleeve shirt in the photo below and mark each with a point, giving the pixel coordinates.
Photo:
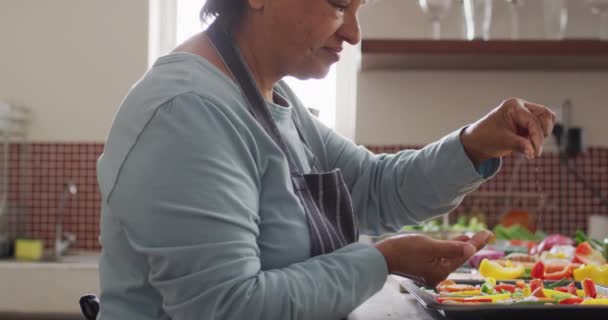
(199, 219)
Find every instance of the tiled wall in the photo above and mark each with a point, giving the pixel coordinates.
(564, 211)
(52, 165)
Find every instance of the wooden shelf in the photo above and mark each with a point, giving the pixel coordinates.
(567, 55)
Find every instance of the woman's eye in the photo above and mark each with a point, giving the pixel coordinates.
(340, 5)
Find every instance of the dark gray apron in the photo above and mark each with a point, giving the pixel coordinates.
(332, 223)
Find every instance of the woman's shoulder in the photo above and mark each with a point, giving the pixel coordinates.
(178, 73)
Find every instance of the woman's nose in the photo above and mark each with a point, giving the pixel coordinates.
(350, 31)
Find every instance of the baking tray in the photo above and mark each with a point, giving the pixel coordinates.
(501, 311)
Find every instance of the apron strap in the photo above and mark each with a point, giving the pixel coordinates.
(231, 56)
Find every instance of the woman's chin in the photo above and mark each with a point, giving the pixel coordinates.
(317, 72)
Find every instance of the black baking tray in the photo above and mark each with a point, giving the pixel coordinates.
(503, 311)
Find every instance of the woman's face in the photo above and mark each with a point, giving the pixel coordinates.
(307, 36)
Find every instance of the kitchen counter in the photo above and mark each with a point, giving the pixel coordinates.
(390, 304)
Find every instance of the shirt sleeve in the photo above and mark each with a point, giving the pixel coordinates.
(393, 190)
(187, 200)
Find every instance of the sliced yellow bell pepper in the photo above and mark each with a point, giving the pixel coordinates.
(494, 270)
(499, 297)
(596, 301)
(494, 297)
(580, 293)
(599, 274)
(556, 294)
(470, 292)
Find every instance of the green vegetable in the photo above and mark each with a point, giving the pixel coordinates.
(462, 225)
(517, 232)
(487, 288)
(556, 284)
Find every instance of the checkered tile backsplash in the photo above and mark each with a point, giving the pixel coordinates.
(52, 165)
(567, 203)
(35, 200)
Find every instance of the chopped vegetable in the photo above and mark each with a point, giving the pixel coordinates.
(603, 301)
(585, 254)
(589, 288)
(599, 274)
(492, 269)
(556, 284)
(564, 293)
(505, 287)
(571, 300)
(550, 241)
(538, 271)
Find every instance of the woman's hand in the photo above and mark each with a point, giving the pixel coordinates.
(427, 260)
(516, 125)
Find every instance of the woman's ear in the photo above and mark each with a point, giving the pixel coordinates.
(256, 4)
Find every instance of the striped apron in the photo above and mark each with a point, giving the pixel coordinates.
(324, 196)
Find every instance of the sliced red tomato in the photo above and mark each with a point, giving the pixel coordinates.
(592, 259)
(584, 248)
(538, 270)
(585, 254)
(503, 286)
(572, 300)
(589, 288)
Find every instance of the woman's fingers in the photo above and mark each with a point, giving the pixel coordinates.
(462, 238)
(480, 239)
(528, 125)
(545, 116)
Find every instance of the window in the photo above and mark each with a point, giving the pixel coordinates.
(318, 94)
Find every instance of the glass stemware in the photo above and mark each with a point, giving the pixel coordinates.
(478, 15)
(514, 6)
(600, 7)
(435, 10)
(555, 18)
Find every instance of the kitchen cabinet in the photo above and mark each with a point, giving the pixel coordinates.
(509, 55)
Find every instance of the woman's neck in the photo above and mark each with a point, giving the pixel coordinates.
(259, 57)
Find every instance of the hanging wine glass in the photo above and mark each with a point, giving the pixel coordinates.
(435, 10)
(514, 6)
(478, 15)
(600, 7)
(463, 19)
(555, 14)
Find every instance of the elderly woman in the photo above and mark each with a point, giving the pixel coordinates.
(223, 198)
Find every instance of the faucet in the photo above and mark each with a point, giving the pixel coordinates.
(61, 244)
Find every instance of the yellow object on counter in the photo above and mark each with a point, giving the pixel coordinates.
(494, 270)
(595, 301)
(599, 274)
(28, 249)
(557, 294)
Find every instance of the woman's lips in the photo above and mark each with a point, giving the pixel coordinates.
(334, 52)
